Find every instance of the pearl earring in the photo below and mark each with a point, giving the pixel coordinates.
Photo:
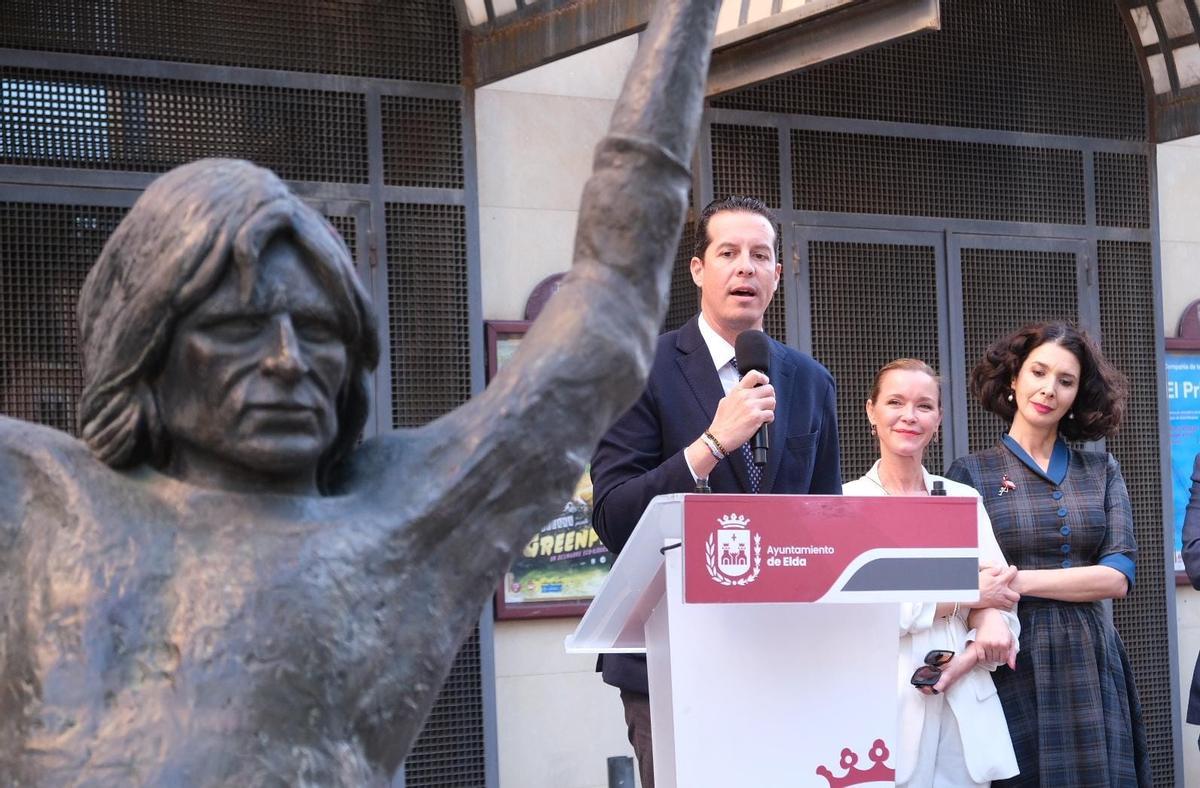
(1010, 396)
(874, 431)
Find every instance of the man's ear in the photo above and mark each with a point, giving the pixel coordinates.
(697, 268)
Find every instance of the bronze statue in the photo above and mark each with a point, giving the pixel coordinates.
(216, 586)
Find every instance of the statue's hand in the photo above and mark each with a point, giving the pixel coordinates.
(740, 413)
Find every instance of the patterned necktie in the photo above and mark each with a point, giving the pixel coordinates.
(753, 472)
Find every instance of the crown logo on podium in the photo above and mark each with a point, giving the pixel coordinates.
(735, 520)
(878, 773)
(733, 553)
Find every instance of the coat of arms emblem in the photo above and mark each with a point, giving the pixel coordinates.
(733, 553)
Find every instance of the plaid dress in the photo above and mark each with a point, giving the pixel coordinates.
(1071, 704)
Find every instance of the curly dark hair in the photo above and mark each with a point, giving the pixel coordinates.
(1100, 401)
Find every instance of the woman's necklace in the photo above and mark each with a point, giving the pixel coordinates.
(879, 483)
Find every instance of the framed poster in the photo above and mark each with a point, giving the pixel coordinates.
(1183, 409)
(564, 564)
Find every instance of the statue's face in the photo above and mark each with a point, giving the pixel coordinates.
(249, 390)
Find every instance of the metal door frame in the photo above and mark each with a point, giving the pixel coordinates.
(1087, 290)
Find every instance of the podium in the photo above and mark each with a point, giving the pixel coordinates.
(770, 628)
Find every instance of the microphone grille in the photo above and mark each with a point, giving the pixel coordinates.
(753, 351)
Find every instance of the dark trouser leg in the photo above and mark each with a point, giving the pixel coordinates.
(637, 717)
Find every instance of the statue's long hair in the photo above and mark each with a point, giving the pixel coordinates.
(188, 229)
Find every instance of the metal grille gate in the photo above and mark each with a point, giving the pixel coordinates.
(939, 191)
(357, 104)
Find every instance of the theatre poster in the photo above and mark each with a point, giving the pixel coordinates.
(563, 566)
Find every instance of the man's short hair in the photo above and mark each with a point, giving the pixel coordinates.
(732, 203)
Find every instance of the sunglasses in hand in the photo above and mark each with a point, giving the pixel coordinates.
(931, 672)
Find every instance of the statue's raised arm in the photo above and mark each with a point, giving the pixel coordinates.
(512, 455)
(505, 463)
(216, 585)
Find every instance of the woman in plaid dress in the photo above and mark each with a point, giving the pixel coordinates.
(1063, 517)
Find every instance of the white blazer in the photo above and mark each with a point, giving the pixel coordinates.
(987, 747)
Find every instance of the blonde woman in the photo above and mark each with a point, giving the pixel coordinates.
(952, 730)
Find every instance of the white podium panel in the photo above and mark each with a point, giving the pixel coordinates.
(766, 694)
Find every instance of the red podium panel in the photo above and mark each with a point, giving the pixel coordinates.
(818, 548)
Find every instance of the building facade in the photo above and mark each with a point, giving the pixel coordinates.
(933, 192)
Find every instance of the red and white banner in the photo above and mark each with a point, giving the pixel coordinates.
(828, 548)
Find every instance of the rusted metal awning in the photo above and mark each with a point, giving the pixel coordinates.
(756, 50)
(537, 32)
(756, 39)
(1165, 35)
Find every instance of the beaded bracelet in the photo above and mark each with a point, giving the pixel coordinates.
(716, 444)
(713, 446)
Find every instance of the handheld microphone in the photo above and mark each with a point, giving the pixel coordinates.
(753, 351)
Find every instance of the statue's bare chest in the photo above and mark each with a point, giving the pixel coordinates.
(162, 642)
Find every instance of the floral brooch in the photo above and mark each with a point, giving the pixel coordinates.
(1006, 485)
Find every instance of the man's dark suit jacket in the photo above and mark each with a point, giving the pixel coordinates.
(642, 455)
(1191, 562)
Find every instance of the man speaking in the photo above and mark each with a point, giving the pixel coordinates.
(697, 416)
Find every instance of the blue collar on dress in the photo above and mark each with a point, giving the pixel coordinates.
(1059, 459)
